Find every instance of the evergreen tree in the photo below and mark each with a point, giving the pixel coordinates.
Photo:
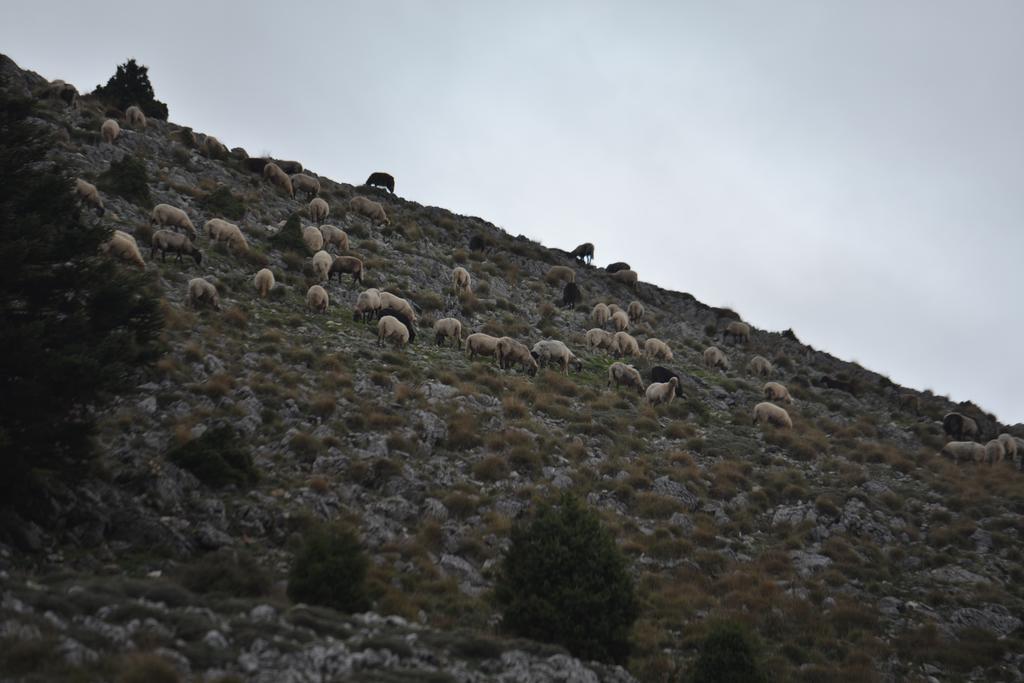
(130, 85)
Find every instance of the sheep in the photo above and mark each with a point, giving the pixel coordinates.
(620, 373)
(276, 176)
(448, 327)
(389, 300)
(460, 280)
(773, 391)
(88, 194)
(480, 344)
(620, 321)
(264, 282)
(958, 426)
(736, 330)
(583, 253)
(289, 167)
(662, 374)
(556, 352)
(202, 291)
(613, 309)
(617, 266)
(769, 413)
(367, 305)
(995, 451)
(134, 116)
(174, 242)
(318, 210)
(626, 277)
(655, 349)
(317, 299)
(165, 214)
(600, 315)
(346, 264)
(1009, 445)
(760, 366)
(402, 318)
(336, 236)
(558, 274)
(662, 392)
(322, 265)
(571, 295)
(390, 327)
(635, 310)
(509, 352)
(381, 179)
(313, 238)
(306, 183)
(624, 344)
(714, 358)
(964, 451)
(369, 209)
(123, 246)
(219, 230)
(110, 131)
(63, 91)
(599, 339)
(214, 148)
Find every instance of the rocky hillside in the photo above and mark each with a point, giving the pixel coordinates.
(846, 544)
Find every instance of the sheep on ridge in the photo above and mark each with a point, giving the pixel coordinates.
(174, 242)
(264, 282)
(554, 351)
(317, 299)
(662, 392)
(620, 373)
(769, 413)
(448, 328)
(201, 291)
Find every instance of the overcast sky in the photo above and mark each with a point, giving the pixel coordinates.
(852, 170)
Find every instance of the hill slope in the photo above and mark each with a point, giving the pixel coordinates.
(846, 543)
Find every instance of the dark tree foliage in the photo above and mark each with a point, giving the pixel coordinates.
(290, 236)
(130, 85)
(74, 323)
(727, 654)
(330, 570)
(563, 580)
(217, 458)
(127, 178)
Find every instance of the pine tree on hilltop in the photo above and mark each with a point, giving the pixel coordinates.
(130, 85)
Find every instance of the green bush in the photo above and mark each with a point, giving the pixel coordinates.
(217, 458)
(229, 572)
(130, 85)
(330, 570)
(727, 654)
(563, 580)
(127, 178)
(290, 236)
(222, 202)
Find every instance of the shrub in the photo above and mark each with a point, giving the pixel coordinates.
(147, 668)
(563, 580)
(229, 572)
(727, 654)
(223, 203)
(217, 458)
(330, 570)
(290, 236)
(130, 85)
(127, 178)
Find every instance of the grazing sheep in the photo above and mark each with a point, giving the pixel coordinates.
(318, 210)
(769, 413)
(620, 373)
(134, 116)
(662, 374)
(367, 305)
(336, 236)
(714, 358)
(662, 392)
(219, 230)
(381, 179)
(110, 131)
(346, 264)
(264, 282)
(624, 344)
(63, 91)
(655, 349)
(174, 242)
(773, 391)
(402, 318)
(369, 209)
(165, 215)
(583, 253)
(123, 246)
(995, 451)
(760, 366)
(959, 451)
(626, 277)
(1009, 445)
(460, 280)
(313, 239)
(736, 330)
(317, 299)
(559, 274)
(448, 327)
(613, 309)
(620, 321)
(910, 401)
(600, 315)
(306, 183)
(480, 344)
(390, 327)
(617, 266)
(959, 427)
(88, 194)
(389, 300)
(571, 295)
(276, 176)
(635, 310)
(322, 265)
(214, 148)
(554, 351)
(290, 167)
(599, 339)
(202, 291)
(509, 352)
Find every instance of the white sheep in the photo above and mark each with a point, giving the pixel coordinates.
(174, 242)
(964, 451)
(510, 351)
(448, 328)
(370, 209)
(123, 246)
(714, 358)
(558, 274)
(165, 215)
(214, 148)
(202, 291)
(389, 300)
(995, 451)
(626, 277)
(110, 131)
(600, 315)
(599, 339)
(635, 310)
(336, 236)
(769, 413)
(480, 344)
(760, 366)
(276, 176)
(554, 351)
(318, 210)
(219, 230)
(367, 305)
(264, 282)
(313, 239)
(657, 350)
(737, 330)
(322, 265)
(1009, 445)
(662, 392)
(317, 299)
(460, 280)
(620, 373)
(306, 183)
(620, 321)
(624, 344)
(613, 309)
(88, 194)
(773, 391)
(390, 327)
